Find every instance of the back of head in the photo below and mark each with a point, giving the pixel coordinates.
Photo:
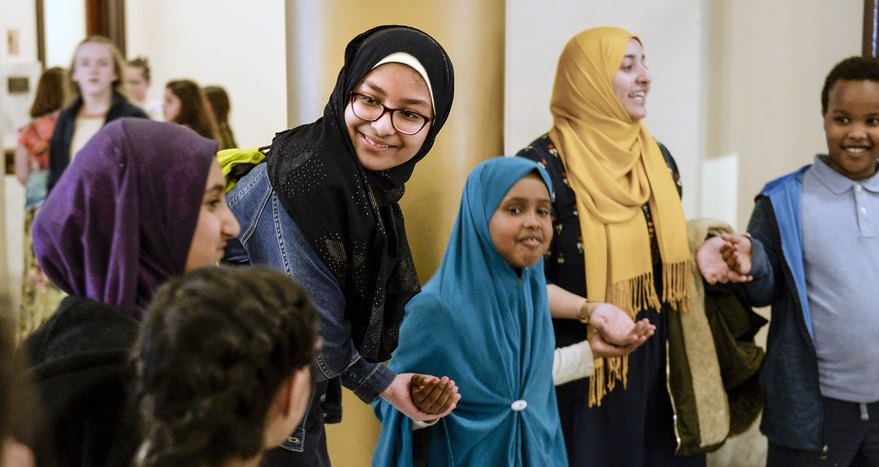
(850, 69)
(53, 90)
(213, 352)
(219, 102)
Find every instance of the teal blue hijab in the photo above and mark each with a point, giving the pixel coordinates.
(485, 325)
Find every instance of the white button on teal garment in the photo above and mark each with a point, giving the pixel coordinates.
(519, 405)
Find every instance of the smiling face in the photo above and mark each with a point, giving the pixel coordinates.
(521, 227)
(379, 146)
(851, 125)
(216, 224)
(94, 69)
(631, 83)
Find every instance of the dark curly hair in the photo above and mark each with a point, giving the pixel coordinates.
(213, 351)
(850, 69)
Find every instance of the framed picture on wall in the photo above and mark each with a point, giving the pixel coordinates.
(18, 82)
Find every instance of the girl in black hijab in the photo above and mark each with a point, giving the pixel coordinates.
(324, 209)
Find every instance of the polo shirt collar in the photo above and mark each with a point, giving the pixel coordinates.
(838, 183)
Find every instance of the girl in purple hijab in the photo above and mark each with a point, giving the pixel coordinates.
(141, 203)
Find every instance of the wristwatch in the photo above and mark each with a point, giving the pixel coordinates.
(584, 314)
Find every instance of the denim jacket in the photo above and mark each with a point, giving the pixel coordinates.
(270, 237)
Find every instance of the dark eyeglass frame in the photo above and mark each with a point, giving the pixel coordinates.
(386, 109)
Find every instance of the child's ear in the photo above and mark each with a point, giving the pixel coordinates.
(294, 388)
(281, 413)
(284, 397)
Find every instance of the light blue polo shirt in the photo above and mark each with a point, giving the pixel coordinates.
(841, 258)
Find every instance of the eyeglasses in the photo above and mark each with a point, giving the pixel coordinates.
(370, 109)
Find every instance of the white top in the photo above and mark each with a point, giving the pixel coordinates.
(568, 364)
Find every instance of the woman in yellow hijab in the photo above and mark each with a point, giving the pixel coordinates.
(620, 237)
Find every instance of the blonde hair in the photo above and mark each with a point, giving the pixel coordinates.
(118, 64)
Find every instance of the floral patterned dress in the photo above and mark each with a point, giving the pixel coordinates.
(39, 297)
(633, 426)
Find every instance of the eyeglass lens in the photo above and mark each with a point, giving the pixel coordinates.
(404, 121)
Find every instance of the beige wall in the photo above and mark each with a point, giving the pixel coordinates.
(238, 45)
(673, 33)
(19, 17)
(766, 66)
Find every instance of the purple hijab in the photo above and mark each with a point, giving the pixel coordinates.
(120, 220)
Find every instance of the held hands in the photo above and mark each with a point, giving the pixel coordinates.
(601, 348)
(422, 397)
(725, 258)
(433, 395)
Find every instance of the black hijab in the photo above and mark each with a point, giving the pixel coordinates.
(348, 214)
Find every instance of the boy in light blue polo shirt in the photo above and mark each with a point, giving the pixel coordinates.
(813, 254)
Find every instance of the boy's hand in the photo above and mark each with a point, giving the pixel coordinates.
(713, 264)
(736, 252)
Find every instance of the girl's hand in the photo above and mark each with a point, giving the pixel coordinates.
(431, 394)
(398, 395)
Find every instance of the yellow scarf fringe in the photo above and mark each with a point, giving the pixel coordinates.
(633, 296)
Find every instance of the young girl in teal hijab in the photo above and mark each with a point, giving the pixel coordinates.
(483, 320)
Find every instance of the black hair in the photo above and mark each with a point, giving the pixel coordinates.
(850, 69)
(213, 351)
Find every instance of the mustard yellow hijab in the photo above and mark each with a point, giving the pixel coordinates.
(614, 167)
